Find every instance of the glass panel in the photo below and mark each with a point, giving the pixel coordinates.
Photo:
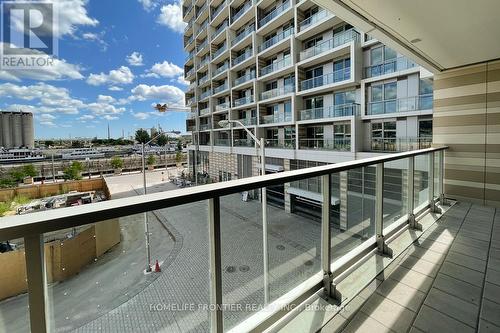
(389, 53)
(376, 56)
(395, 190)
(436, 174)
(377, 93)
(421, 180)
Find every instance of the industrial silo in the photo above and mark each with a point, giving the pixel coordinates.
(1, 129)
(17, 130)
(6, 130)
(28, 134)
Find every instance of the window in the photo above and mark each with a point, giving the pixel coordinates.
(344, 97)
(315, 72)
(289, 80)
(342, 132)
(389, 54)
(315, 132)
(313, 42)
(271, 85)
(425, 86)
(376, 55)
(425, 128)
(311, 12)
(384, 136)
(314, 102)
(288, 111)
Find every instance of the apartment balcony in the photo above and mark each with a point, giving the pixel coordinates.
(201, 47)
(326, 144)
(334, 111)
(278, 117)
(203, 63)
(205, 127)
(222, 107)
(391, 66)
(324, 47)
(400, 144)
(274, 13)
(189, 102)
(189, 41)
(313, 19)
(276, 39)
(219, 52)
(242, 79)
(192, 115)
(186, 11)
(220, 88)
(218, 10)
(243, 143)
(220, 70)
(407, 104)
(278, 92)
(279, 143)
(242, 35)
(242, 57)
(240, 13)
(243, 101)
(252, 121)
(205, 95)
(325, 80)
(204, 112)
(189, 57)
(202, 31)
(276, 66)
(222, 142)
(203, 80)
(202, 9)
(189, 74)
(219, 31)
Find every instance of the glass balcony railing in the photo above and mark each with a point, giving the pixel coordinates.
(321, 14)
(276, 66)
(201, 9)
(221, 253)
(204, 111)
(343, 110)
(242, 11)
(221, 142)
(189, 73)
(247, 121)
(219, 9)
(407, 104)
(189, 41)
(323, 80)
(400, 144)
(187, 10)
(203, 62)
(219, 51)
(278, 117)
(242, 35)
(203, 80)
(274, 13)
(221, 69)
(327, 45)
(189, 101)
(191, 115)
(221, 88)
(243, 143)
(205, 94)
(276, 39)
(222, 106)
(202, 28)
(244, 78)
(205, 127)
(242, 57)
(243, 101)
(279, 143)
(202, 46)
(220, 29)
(277, 92)
(339, 144)
(389, 66)
(190, 55)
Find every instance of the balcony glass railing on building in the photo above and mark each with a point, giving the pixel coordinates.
(242, 57)
(222, 142)
(342, 110)
(243, 34)
(276, 66)
(243, 143)
(220, 29)
(219, 9)
(205, 127)
(400, 144)
(202, 46)
(244, 78)
(277, 92)
(329, 44)
(277, 117)
(187, 10)
(191, 115)
(201, 9)
(204, 111)
(203, 62)
(243, 101)
(220, 88)
(407, 104)
(323, 80)
(276, 39)
(242, 11)
(316, 17)
(203, 80)
(190, 55)
(247, 121)
(280, 143)
(221, 69)
(189, 73)
(339, 144)
(189, 41)
(274, 13)
(222, 106)
(219, 51)
(205, 94)
(389, 66)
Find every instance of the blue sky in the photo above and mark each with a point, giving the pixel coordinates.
(116, 59)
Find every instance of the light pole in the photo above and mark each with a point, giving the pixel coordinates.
(261, 144)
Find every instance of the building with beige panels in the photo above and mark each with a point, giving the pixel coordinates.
(317, 89)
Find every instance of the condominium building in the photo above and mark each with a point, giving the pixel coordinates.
(317, 89)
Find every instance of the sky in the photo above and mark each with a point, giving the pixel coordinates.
(116, 59)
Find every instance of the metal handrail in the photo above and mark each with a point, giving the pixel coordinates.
(322, 80)
(276, 39)
(221, 68)
(286, 61)
(244, 78)
(389, 66)
(248, 30)
(274, 13)
(314, 18)
(405, 104)
(329, 44)
(277, 91)
(342, 110)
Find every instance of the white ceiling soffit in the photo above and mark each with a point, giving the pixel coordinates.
(437, 34)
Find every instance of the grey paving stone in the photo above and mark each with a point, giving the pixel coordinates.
(470, 251)
(462, 240)
(362, 323)
(452, 306)
(491, 312)
(411, 278)
(420, 266)
(430, 320)
(492, 292)
(463, 273)
(389, 313)
(426, 254)
(467, 261)
(475, 235)
(493, 276)
(487, 327)
(458, 288)
(402, 294)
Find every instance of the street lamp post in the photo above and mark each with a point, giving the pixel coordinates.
(261, 144)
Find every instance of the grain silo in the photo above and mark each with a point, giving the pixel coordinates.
(28, 132)
(6, 133)
(16, 129)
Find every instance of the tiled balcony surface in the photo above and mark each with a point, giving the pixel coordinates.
(447, 281)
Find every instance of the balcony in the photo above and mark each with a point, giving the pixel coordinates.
(201, 9)
(273, 93)
(205, 127)
(390, 66)
(337, 144)
(330, 44)
(242, 35)
(313, 19)
(203, 80)
(278, 143)
(358, 252)
(400, 144)
(189, 56)
(247, 122)
(219, 52)
(335, 111)
(243, 143)
(204, 111)
(219, 30)
(222, 142)
(242, 57)
(242, 11)
(189, 73)
(407, 104)
(244, 78)
(205, 94)
(221, 69)
(191, 115)
(222, 106)
(221, 88)
(276, 66)
(323, 80)
(276, 39)
(278, 117)
(202, 46)
(203, 63)
(274, 13)
(219, 9)
(243, 101)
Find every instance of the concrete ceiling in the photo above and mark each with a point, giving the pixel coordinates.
(438, 34)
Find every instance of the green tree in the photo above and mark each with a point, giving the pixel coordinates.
(162, 140)
(178, 157)
(142, 136)
(17, 175)
(179, 145)
(117, 162)
(29, 170)
(49, 143)
(151, 159)
(74, 171)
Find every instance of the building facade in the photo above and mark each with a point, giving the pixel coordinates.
(16, 130)
(315, 88)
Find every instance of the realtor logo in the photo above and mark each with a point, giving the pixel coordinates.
(28, 39)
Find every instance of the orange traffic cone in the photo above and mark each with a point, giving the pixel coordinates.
(157, 267)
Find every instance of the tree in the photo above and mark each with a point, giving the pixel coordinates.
(179, 145)
(74, 171)
(142, 136)
(162, 140)
(29, 170)
(178, 157)
(116, 162)
(151, 159)
(17, 175)
(49, 143)
(77, 144)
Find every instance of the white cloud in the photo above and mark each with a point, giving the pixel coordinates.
(122, 75)
(98, 38)
(105, 99)
(181, 80)
(135, 59)
(165, 69)
(86, 117)
(171, 16)
(141, 115)
(109, 117)
(160, 94)
(148, 5)
(114, 88)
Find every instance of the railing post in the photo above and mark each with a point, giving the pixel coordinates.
(442, 199)
(411, 193)
(329, 287)
(214, 233)
(379, 211)
(432, 203)
(37, 284)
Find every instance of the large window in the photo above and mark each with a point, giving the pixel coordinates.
(313, 42)
(383, 98)
(384, 136)
(314, 102)
(315, 72)
(344, 97)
